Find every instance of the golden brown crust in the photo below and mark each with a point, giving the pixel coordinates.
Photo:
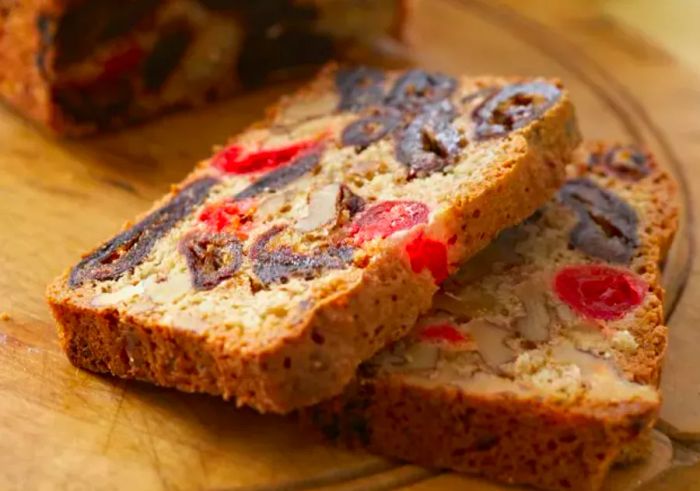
(512, 440)
(22, 83)
(655, 196)
(297, 368)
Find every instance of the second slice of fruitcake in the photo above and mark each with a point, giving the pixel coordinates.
(316, 237)
(539, 361)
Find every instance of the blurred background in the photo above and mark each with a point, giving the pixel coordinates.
(673, 24)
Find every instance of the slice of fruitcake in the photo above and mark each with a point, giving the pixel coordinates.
(539, 361)
(316, 238)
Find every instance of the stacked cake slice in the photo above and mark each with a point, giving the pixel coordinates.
(539, 360)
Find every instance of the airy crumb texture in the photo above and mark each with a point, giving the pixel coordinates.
(539, 360)
(317, 237)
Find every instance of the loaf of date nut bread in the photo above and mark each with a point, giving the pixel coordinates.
(539, 360)
(316, 237)
(78, 66)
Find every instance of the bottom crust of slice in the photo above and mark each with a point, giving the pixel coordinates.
(523, 441)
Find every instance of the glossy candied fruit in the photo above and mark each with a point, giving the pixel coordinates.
(441, 332)
(233, 215)
(599, 292)
(235, 160)
(386, 218)
(430, 254)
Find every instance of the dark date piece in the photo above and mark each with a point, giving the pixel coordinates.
(282, 176)
(211, 257)
(513, 107)
(88, 23)
(627, 162)
(372, 128)
(417, 88)
(607, 225)
(100, 104)
(166, 55)
(359, 87)
(351, 201)
(429, 143)
(279, 265)
(128, 249)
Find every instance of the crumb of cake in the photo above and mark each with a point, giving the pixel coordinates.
(624, 341)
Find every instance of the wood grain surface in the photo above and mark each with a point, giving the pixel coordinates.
(67, 429)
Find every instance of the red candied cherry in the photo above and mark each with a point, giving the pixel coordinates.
(113, 67)
(121, 62)
(425, 253)
(441, 332)
(234, 160)
(235, 215)
(599, 292)
(386, 218)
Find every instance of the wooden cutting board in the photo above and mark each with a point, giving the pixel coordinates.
(62, 428)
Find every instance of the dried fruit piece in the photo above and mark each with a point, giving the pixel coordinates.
(627, 162)
(513, 107)
(211, 257)
(429, 143)
(119, 63)
(598, 291)
(234, 160)
(479, 94)
(128, 249)
(359, 87)
(98, 104)
(607, 226)
(351, 201)
(417, 88)
(235, 215)
(280, 264)
(441, 332)
(372, 128)
(166, 55)
(386, 218)
(86, 25)
(430, 254)
(282, 176)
